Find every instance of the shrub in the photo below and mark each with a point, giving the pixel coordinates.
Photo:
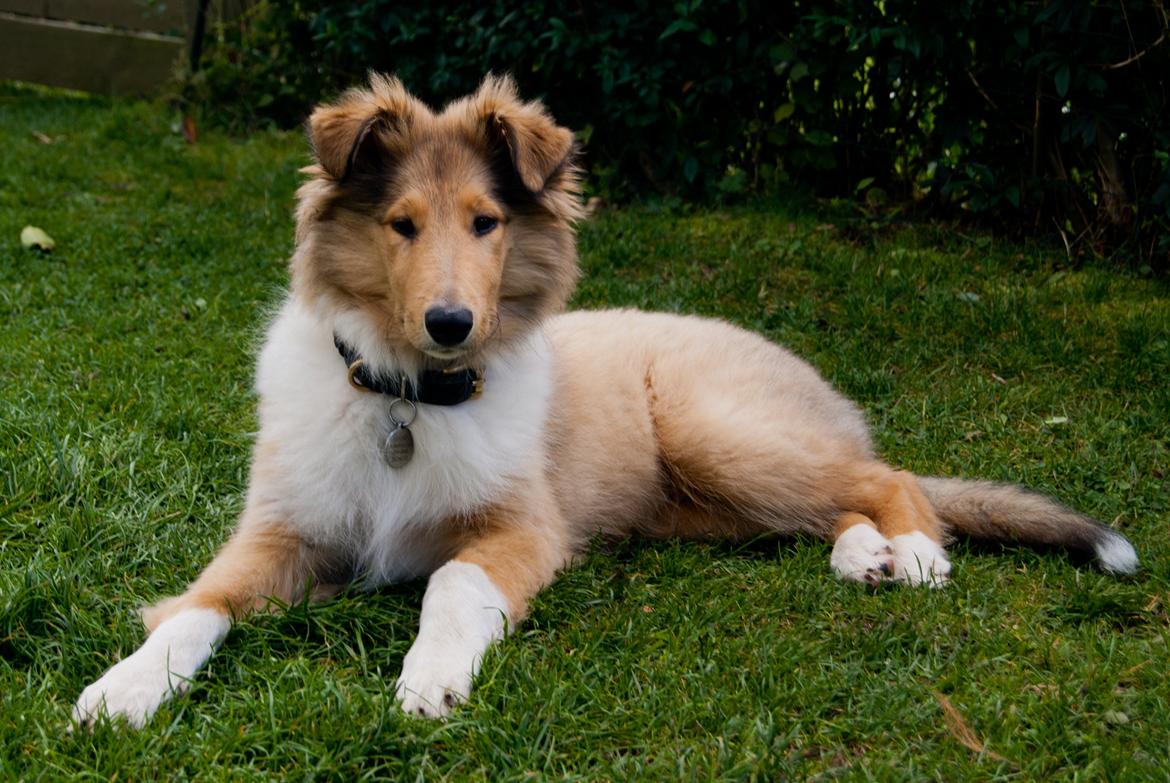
(1044, 116)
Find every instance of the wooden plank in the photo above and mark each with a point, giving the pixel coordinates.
(82, 57)
(160, 17)
(30, 7)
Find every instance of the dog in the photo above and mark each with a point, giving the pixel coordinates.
(426, 410)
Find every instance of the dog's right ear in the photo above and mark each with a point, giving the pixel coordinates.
(363, 125)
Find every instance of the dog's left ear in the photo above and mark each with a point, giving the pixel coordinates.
(538, 146)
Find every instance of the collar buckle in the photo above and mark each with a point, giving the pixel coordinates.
(351, 374)
(474, 377)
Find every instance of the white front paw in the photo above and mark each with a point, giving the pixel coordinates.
(862, 554)
(434, 681)
(463, 613)
(918, 560)
(132, 689)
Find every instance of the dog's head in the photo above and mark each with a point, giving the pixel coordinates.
(451, 232)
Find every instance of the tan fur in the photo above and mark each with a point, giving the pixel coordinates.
(895, 502)
(663, 425)
(261, 562)
(848, 520)
(519, 557)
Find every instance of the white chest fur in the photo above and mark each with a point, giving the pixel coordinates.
(319, 465)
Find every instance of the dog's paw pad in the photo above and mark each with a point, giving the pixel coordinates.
(884, 570)
(862, 554)
(918, 560)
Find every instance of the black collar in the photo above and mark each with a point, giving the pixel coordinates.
(435, 387)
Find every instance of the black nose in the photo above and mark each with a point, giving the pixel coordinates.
(449, 325)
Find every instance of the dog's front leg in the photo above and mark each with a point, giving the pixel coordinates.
(473, 599)
(262, 560)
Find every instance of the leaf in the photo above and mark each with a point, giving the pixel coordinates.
(875, 198)
(865, 183)
(799, 71)
(782, 52)
(691, 169)
(1062, 78)
(784, 112)
(962, 731)
(33, 237)
(678, 25)
(1056, 420)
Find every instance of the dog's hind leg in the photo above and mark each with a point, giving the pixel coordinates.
(904, 517)
(263, 560)
(510, 552)
(767, 465)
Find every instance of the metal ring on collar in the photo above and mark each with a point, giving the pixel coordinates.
(413, 411)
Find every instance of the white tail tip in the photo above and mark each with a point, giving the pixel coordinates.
(1115, 554)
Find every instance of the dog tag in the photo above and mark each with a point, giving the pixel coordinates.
(398, 447)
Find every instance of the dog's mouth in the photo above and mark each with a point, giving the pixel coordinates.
(439, 356)
(445, 354)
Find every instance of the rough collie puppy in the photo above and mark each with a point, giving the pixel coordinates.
(425, 412)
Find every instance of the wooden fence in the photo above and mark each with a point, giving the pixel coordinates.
(103, 46)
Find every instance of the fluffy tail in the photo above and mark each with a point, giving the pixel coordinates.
(1005, 512)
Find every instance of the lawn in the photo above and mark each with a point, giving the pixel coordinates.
(126, 416)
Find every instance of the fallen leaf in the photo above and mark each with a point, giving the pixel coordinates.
(1115, 717)
(1056, 420)
(33, 237)
(961, 731)
(42, 137)
(190, 130)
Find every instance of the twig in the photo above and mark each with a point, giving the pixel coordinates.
(1036, 129)
(1064, 238)
(1142, 53)
(1138, 56)
(982, 92)
(991, 102)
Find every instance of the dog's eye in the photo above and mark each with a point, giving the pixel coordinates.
(484, 224)
(405, 227)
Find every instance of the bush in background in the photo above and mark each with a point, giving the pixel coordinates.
(1042, 117)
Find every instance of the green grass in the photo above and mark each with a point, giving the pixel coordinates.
(125, 422)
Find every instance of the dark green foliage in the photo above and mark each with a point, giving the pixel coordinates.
(1043, 117)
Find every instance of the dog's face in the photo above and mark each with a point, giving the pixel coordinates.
(453, 231)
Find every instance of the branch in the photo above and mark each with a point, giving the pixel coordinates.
(991, 102)
(1142, 53)
(1138, 56)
